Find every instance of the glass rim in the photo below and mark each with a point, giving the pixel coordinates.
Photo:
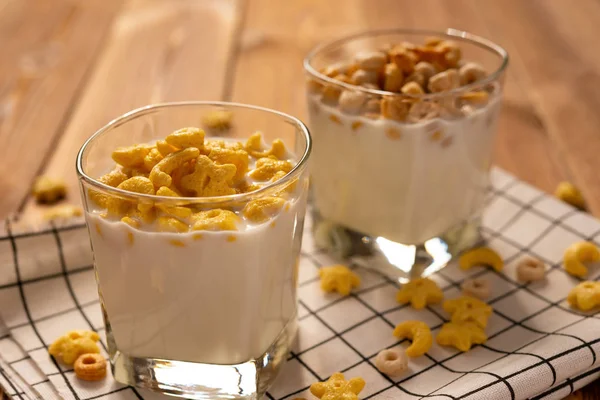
(239, 197)
(460, 35)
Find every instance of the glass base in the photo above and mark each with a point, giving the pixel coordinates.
(190, 380)
(399, 261)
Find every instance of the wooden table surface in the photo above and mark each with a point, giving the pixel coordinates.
(69, 66)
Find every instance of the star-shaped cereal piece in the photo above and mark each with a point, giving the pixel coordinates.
(420, 292)
(461, 335)
(338, 388)
(209, 178)
(468, 309)
(338, 278)
(585, 296)
(267, 167)
(255, 147)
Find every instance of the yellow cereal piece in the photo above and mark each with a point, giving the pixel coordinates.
(49, 190)
(221, 144)
(420, 292)
(186, 137)
(468, 309)
(176, 243)
(177, 211)
(461, 335)
(218, 120)
(90, 367)
(134, 223)
(267, 167)
(151, 159)
(255, 147)
(70, 346)
(481, 256)
(114, 179)
(338, 278)
(215, 220)
(137, 184)
(289, 188)
(419, 333)
(246, 187)
(131, 157)
(209, 178)
(260, 210)
(170, 224)
(161, 173)
(239, 158)
(165, 148)
(585, 296)
(63, 211)
(577, 254)
(569, 193)
(338, 388)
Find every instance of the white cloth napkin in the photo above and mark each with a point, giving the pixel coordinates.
(538, 346)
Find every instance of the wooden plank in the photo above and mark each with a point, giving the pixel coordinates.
(562, 76)
(47, 47)
(157, 51)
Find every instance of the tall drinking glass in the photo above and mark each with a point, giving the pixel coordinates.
(199, 313)
(403, 123)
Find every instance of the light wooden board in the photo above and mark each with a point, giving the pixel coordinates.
(157, 51)
(47, 50)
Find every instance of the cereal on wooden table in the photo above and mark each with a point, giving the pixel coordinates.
(577, 255)
(191, 227)
(370, 114)
(569, 193)
(419, 293)
(419, 333)
(49, 190)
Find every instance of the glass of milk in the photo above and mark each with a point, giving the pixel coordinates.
(403, 123)
(199, 313)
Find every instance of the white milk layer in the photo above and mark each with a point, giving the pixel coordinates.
(209, 298)
(408, 189)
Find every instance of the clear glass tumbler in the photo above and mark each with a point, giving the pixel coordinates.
(199, 314)
(399, 174)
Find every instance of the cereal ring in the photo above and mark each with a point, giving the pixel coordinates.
(530, 269)
(215, 220)
(480, 256)
(338, 388)
(466, 308)
(477, 287)
(391, 362)
(419, 333)
(585, 296)
(577, 254)
(461, 335)
(338, 278)
(420, 292)
(90, 367)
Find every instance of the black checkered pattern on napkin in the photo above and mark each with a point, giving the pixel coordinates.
(538, 346)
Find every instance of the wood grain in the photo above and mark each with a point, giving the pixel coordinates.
(48, 48)
(157, 51)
